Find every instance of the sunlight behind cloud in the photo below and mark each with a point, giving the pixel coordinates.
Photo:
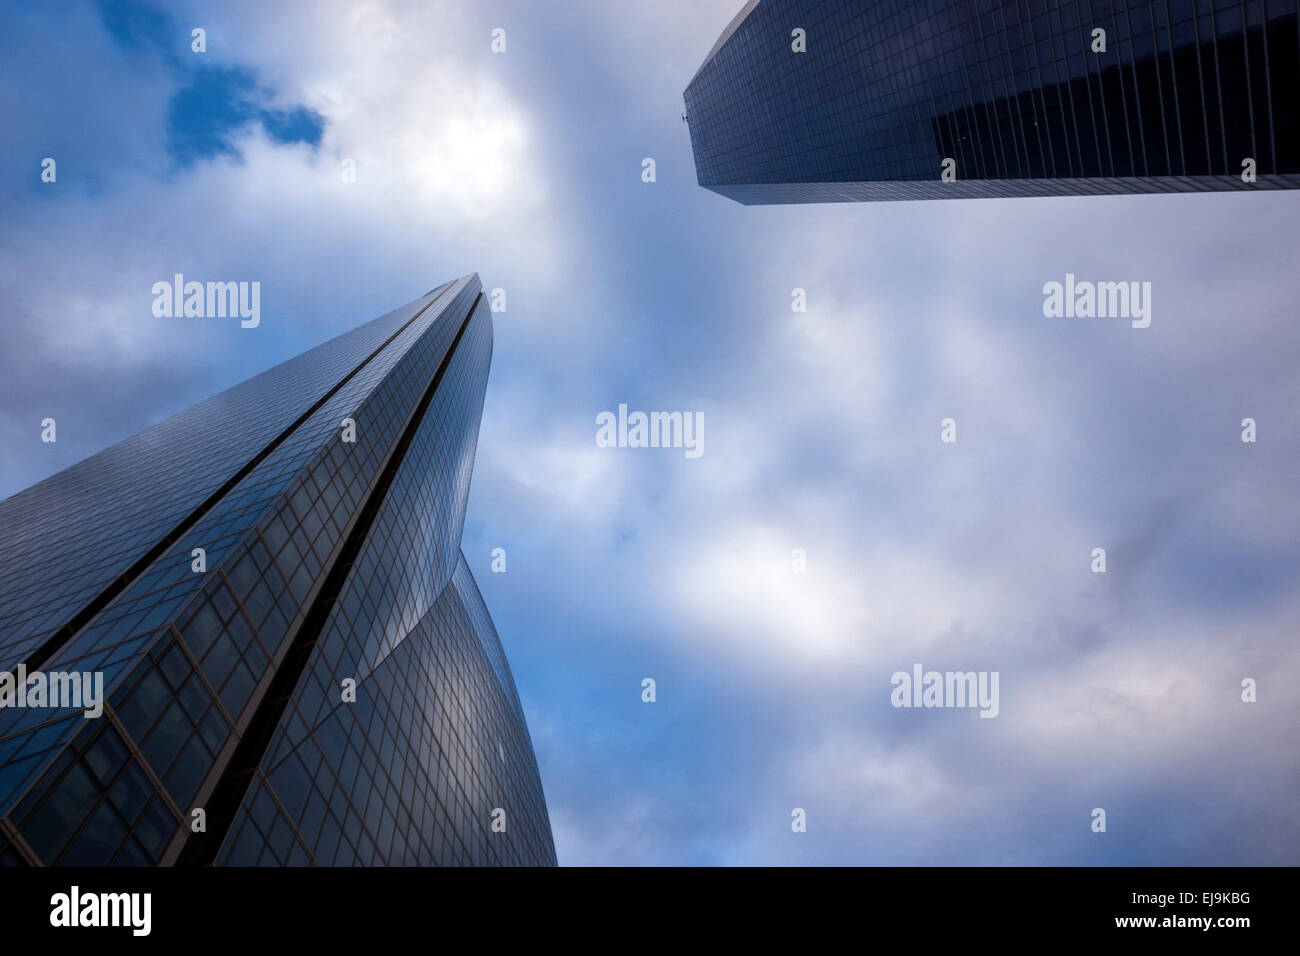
(474, 160)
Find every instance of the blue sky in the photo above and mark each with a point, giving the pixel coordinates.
(1119, 691)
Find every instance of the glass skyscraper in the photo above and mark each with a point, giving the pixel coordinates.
(1009, 97)
(297, 665)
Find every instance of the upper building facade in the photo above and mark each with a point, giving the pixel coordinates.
(270, 586)
(1011, 98)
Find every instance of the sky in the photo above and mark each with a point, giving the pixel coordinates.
(1119, 690)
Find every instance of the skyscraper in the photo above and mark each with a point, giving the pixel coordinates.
(297, 665)
(838, 101)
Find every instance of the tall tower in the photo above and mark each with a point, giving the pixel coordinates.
(838, 101)
(297, 665)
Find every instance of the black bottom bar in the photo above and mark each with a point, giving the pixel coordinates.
(920, 907)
